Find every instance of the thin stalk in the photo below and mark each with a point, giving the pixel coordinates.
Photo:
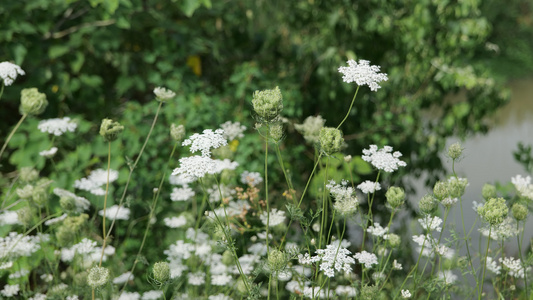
(484, 265)
(521, 258)
(105, 201)
(11, 134)
(324, 206)
(349, 109)
(2, 90)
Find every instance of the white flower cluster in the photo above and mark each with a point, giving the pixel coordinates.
(369, 187)
(88, 250)
(9, 72)
(430, 223)
(233, 130)
(10, 290)
(175, 222)
(492, 265)
(123, 278)
(163, 93)
(57, 126)
(116, 213)
(17, 245)
(9, 217)
(377, 230)
(276, 217)
(334, 257)
(182, 194)
(226, 164)
(340, 191)
(205, 141)
(95, 181)
(383, 159)
(448, 277)
(49, 153)
(514, 267)
(195, 167)
(406, 294)
(501, 231)
(363, 73)
(251, 178)
(366, 258)
(81, 203)
(523, 186)
(215, 194)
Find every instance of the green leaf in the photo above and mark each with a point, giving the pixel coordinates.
(189, 6)
(57, 51)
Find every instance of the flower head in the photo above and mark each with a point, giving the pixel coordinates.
(369, 187)
(205, 141)
(48, 153)
(163, 94)
(9, 72)
(494, 211)
(32, 102)
(195, 167)
(276, 217)
(333, 258)
(98, 277)
(57, 126)
(383, 159)
(116, 213)
(363, 73)
(310, 128)
(233, 130)
(110, 130)
(330, 140)
(366, 258)
(268, 104)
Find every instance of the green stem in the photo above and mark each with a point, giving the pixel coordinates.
(105, 202)
(349, 109)
(324, 207)
(484, 265)
(11, 134)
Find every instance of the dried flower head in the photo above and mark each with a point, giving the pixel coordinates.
(177, 132)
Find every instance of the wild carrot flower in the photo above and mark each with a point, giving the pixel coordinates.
(251, 178)
(195, 167)
(123, 278)
(152, 295)
(431, 223)
(206, 141)
(514, 267)
(116, 213)
(48, 153)
(175, 222)
(369, 187)
(406, 294)
(310, 128)
(448, 277)
(366, 258)
(163, 94)
(377, 230)
(523, 186)
(10, 290)
(333, 258)
(9, 72)
(79, 204)
(9, 218)
(276, 217)
(57, 126)
(32, 102)
(383, 159)
(233, 130)
(268, 104)
(363, 73)
(494, 211)
(95, 181)
(97, 277)
(492, 265)
(182, 194)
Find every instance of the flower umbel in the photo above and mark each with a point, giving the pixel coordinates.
(163, 94)
(9, 72)
(363, 73)
(383, 159)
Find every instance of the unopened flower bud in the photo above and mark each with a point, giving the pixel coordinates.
(26, 215)
(98, 276)
(110, 130)
(427, 204)
(488, 191)
(330, 140)
(455, 151)
(494, 211)
(393, 240)
(276, 260)
(40, 196)
(163, 94)
(313, 242)
(519, 211)
(32, 102)
(456, 186)
(241, 286)
(395, 196)
(348, 158)
(268, 104)
(68, 204)
(28, 174)
(440, 190)
(276, 132)
(161, 271)
(177, 132)
(227, 258)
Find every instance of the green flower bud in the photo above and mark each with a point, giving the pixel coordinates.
(427, 204)
(97, 277)
(68, 204)
(494, 211)
(395, 196)
(161, 271)
(28, 174)
(227, 258)
(519, 211)
(65, 236)
(241, 286)
(32, 102)
(26, 192)
(26, 216)
(440, 190)
(330, 140)
(67, 232)
(369, 292)
(276, 260)
(455, 151)
(268, 104)
(488, 191)
(276, 132)
(40, 195)
(177, 132)
(110, 130)
(393, 240)
(457, 186)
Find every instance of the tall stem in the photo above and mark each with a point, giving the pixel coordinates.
(105, 202)
(11, 134)
(349, 109)
(484, 265)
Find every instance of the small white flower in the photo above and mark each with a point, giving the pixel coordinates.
(6, 265)
(396, 265)
(226, 164)
(197, 278)
(164, 94)
(73, 297)
(448, 277)
(116, 213)
(195, 166)
(95, 181)
(501, 231)
(175, 222)
(383, 159)
(449, 201)
(49, 153)
(363, 73)
(369, 187)
(182, 194)
(38, 296)
(232, 131)
(492, 265)
(57, 126)
(219, 297)
(129, 296)
(124, 277)
(366, 258)
(514, 267)
(180, 179)
(333, 258)
(406, 294)
(9, 72)
(377, 230)
(345, 291)
(523, 186)
(221, 279)
(206, 141)
(430, 223)
(276, 217)
(152, 295)
(55, 220)
(251, 178)
(10, 290)
(81, 203)
(9, 217)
